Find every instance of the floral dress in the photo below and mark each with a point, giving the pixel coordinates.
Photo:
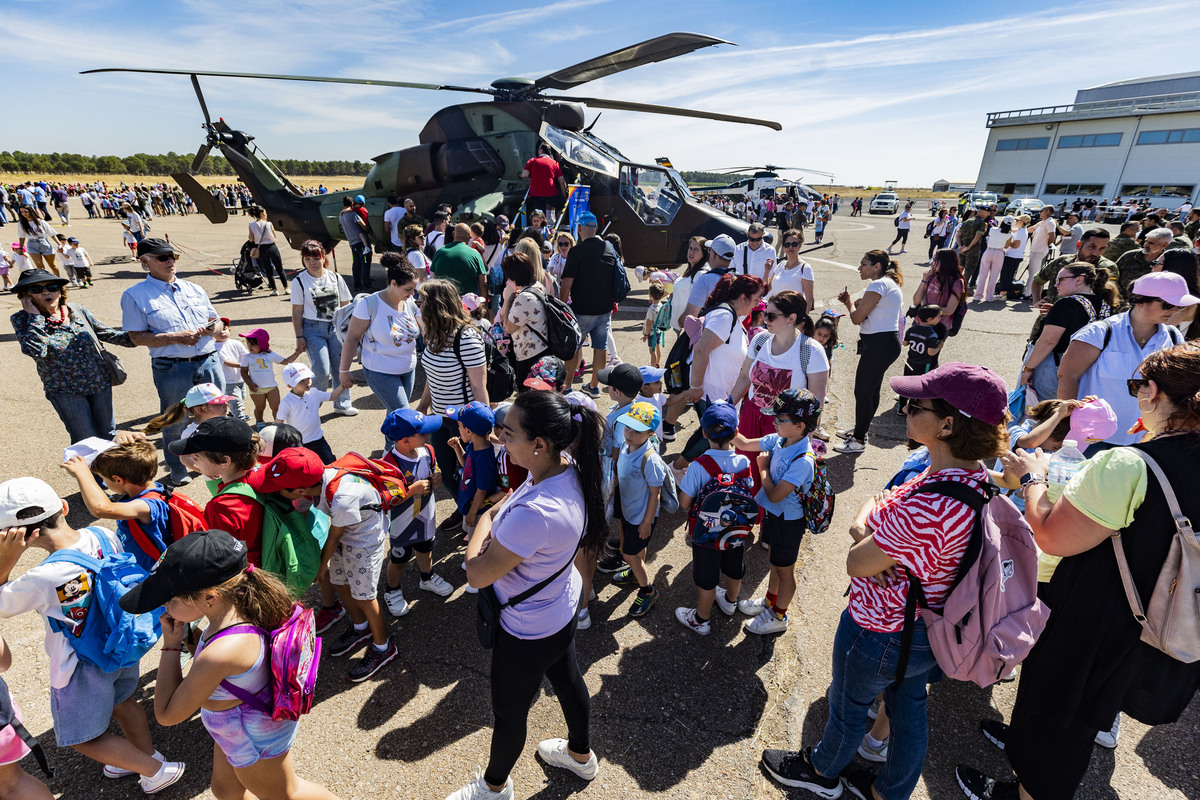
(66, 357)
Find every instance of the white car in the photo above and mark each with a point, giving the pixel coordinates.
(1025, 205)
(885, 203)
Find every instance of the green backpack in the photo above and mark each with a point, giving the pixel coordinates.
(291, 541)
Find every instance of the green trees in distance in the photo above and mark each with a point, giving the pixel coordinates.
(155, 165)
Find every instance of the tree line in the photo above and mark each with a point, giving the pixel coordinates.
(154, 165)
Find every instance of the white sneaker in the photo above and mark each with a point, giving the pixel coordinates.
(687, 618)
(436, 584)
(478, 789)
(845, 433)
(752, 607)
(116, 772)
(169, 773)
(554, 752)
(583, 620)
(347, 412)
(767, 623)
(396, 603)
(850, 445)
(727, 606)
(869, 752)
(1108, 739)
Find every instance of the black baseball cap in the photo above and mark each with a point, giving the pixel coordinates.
(217, 435)
(198, 561)
(154, 247)
(625, 377)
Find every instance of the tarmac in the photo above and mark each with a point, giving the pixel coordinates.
(674, 715)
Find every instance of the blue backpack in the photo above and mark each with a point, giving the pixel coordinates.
(106, 636)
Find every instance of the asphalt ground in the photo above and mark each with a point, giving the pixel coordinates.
(673, 714)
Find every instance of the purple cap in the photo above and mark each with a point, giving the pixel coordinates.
(973, 390)
(1092, 422)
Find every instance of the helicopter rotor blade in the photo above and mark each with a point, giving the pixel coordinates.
(313, 78)
(203, 105)
(201, 157)
(658, 49)
(204, 200)
(624, 105)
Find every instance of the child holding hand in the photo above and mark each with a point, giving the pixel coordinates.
(480, 474)
(301, 408)
(258, 372)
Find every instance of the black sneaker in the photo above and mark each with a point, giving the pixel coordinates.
(668, 432)
(859, 780)
(994, 731)
(978, 786)
(794, 768)
(372, 661)
(625, 578)
(349, 641)
(610, 564)
(451, 524)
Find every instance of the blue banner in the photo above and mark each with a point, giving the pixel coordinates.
(578, 201)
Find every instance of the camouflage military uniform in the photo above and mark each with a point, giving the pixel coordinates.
(1120, 246)
(1132, 266)
(970, 259)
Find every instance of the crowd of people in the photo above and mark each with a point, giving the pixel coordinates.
(474, 346)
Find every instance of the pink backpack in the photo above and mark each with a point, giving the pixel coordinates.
(992, 616)
(295, 652)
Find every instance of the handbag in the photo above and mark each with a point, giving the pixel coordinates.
(254, 250)
(487, 621)
(116, 370)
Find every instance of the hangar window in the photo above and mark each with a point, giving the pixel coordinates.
(1157, 190)
(1090, 140)
(1037, 143)
(1079, 189)
(1181, 136)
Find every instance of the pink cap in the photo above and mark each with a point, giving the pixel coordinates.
(975, 391)
(260, 337)
(1092, 422)
(1165, 286)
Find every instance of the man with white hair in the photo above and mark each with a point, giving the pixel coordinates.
(1137, 263)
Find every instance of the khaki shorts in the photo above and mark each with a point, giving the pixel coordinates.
(358, 568)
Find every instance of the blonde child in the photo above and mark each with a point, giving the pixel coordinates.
(657, 322)
(231, 352)
(130, 241)
(258, 373)
(641, 474)
(301, 408)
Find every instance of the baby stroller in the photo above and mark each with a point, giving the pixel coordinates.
(246, 276)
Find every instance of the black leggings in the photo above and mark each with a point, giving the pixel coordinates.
(1008, 271)
(518, 666)
(902, 237)
(270, 260)
(876, 352)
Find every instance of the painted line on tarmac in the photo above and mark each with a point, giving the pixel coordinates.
(841, 264)
(862, 226)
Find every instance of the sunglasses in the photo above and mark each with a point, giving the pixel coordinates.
(791, 244)
(754, 239)
(42, 288)
(1167, 306)
(165, 257)
(771, 316)
(1136, 385)
(911, 407)
(564, 244)
(1062, 278)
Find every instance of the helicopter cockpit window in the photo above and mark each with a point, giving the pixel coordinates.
(579, 151)
(650, 193)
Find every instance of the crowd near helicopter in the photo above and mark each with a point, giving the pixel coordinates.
(471, 156)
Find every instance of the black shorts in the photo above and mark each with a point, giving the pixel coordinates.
(632, 542)
(708, 565)
(402, 554)
(784, 537)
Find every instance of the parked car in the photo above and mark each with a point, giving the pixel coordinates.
(1024, 205)
(885, 203)
(978, 200)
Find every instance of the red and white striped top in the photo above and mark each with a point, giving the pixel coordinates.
(926, 534)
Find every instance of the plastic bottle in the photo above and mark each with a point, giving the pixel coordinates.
(1063, 466)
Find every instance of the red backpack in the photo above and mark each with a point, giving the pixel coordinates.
(184, 516)
(384, 476)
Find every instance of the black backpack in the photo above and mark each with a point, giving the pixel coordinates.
(678, 378)
(8, 717)
(501, 378)
(430, 250)
(563, 336)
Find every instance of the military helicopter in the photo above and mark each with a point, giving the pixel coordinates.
(765, 182)
(471, 155)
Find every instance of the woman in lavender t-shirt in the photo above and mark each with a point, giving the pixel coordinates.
(519, 543)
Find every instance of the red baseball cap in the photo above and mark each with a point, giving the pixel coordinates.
(293, 468)
(975, 391)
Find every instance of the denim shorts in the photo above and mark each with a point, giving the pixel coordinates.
(82, 709)
(39, 246)
(599, 325)
(246, 735)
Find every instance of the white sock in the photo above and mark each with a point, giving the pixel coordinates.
(360, 626)
(871, 740)
(379, 648)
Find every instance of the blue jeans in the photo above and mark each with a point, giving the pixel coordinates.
(85, 415)
(360, 270)
(325, 355)
(392, 390)
(864, 664)
(172, 379)
(598, 326)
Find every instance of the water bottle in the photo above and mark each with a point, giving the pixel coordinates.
(1063, 465)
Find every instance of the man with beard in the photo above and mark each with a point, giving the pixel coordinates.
(1092, 245)
(1137, 263)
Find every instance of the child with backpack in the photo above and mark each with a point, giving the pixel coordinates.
(480, 476)
(624, 383)
(203, 401)
(642, 477)
(144, 517)
(15, 743)
(207, 576)
(716, 493)
(924, 341)
(258, 373)
(412, 526)
(657, 322)
(787, 469)
(301, 408)
(85, 696)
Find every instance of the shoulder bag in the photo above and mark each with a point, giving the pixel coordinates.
(116, 370)
(487, 621)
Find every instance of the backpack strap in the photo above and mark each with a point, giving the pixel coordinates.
(246, 696)
(458, 357)
(8, 718)
(135, 528)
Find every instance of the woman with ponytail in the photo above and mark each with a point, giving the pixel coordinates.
(205, 575)
(1084, 295)
(877, 315)
(533, 536)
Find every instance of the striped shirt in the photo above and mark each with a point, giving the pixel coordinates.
(447, 376)
(925, 534)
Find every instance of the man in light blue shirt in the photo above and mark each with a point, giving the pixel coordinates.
(176, 320)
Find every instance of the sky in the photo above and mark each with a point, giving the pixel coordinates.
(870, 90)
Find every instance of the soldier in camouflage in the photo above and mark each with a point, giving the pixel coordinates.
(1092, 246)
(1125, 241)
(1137, 263)
(971, 234)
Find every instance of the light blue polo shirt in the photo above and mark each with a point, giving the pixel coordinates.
(154, 306)
(1116, 364)
(787, 464)
(614, 432)
(635, 482)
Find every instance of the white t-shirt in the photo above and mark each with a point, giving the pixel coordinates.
(725, 361)
(393, 217)
(232, 350)
(389, 344)
(437, 239)
(753, 262)
(776, 372)
(905, 220)
(996, 238)
(58, 590)
(790, 280)
(356, 508)
(262, 368)
(77, 255)
(419, 262)
(885, 316)
(263, 232)
(1043, 234)
(1022, 238)
(321, 297)
(303, 413)
(679, 300)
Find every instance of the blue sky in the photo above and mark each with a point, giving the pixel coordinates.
(868, 90)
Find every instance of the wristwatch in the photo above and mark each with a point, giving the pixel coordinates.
(1032, 477)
